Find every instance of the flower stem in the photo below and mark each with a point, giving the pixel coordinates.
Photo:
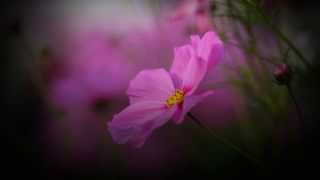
(296, 104)
(283, 37)
(225, 141)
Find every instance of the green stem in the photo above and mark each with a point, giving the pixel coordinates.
(280, 34)
(296, 104)
(225, 141)
(292, 46)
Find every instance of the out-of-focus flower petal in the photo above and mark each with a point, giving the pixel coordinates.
(151, 85)
(135, 123)
(189, 102)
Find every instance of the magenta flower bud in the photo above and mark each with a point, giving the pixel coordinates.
(282, 74)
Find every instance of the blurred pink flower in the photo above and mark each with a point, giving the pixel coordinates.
(94, 70)
(92, 79)
(194, 12)
(157, 95)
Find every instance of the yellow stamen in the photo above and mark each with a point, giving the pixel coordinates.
(176, 98)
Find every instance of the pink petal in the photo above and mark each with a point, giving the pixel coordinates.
(182, 56)
(191, 62)
(210, 48)
(189, 102)
(150, 85)
(194, 73)
(195, 41)
(187, 70)
(135, 123)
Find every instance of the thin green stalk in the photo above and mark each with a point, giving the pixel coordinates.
(291, 45)
(297, 106)
(280, 33)
(225, 141)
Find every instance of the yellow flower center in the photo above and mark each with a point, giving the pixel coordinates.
(176, 98)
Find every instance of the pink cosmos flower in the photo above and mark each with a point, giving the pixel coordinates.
(156, 95)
